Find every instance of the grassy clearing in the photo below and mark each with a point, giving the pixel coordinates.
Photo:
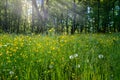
(78, 57)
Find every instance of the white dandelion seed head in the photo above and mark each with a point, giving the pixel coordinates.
(50, 66)
(5, 45)
(11, 73)
(87, 60)
(75, 55)
(78, 66)
(8, 43)
(71, 56)
(100, 56)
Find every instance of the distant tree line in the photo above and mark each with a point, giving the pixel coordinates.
(65, 16)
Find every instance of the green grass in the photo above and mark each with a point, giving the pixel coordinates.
(78, 57)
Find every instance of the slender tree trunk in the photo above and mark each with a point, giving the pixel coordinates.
(40, 19)
(36, 8)
(5, 16)
(18, 24)
(0, 20)
(113, 14)
(9, 21)
(98, 24)
(119, 17)
(33, 12)
(24, 25)
(61, 22)
(45, 11)
(13, 23)
(105, 23)
(67, 23)
(108, 17)
(74, 19)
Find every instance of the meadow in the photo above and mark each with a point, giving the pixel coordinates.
(63, 57)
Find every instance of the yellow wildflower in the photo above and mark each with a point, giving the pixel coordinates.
(0, 54)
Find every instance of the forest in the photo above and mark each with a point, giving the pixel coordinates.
(59, 39)
(64, 17)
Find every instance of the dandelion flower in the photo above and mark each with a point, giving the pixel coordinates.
(0, 46)
(0, 54)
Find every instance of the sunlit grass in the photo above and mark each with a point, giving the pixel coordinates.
(78, 57)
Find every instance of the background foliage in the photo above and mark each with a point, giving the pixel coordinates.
(68, 17)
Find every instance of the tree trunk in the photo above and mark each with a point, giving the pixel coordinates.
(18, 24)
(119, 17)
(39, 27)
(0, 20)
(113, 15)
(98, 16)
(5, 16)
(33, 12)
(74, 19)
(67, 23)
(62, 23)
